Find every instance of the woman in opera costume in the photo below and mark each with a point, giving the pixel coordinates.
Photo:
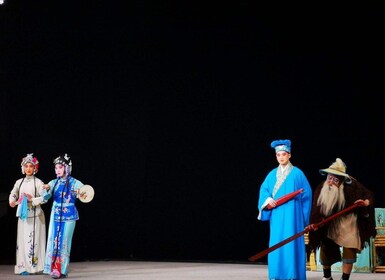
(64, 191)
(31, 237)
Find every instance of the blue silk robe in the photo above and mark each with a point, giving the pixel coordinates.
(286, 220)
(64, 215)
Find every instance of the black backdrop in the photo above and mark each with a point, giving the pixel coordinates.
(168, 112)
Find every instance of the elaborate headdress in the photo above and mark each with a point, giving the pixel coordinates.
(281, 145)
(64, 160)
(29, 158)
(337, 168)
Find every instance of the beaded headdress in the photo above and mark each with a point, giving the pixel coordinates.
(29, 158)
(64, 160)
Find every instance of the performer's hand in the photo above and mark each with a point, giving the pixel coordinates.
(272, 203)
(365, 202)
(12, 203)
(46, 187)
(29, 196)
(311, 227)
(20, 198)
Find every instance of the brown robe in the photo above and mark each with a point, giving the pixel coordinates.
(365, 215)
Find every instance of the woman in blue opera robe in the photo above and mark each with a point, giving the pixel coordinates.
(64, 190)
(287, 219)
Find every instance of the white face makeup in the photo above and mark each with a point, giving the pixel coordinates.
(60, 170)
(29, 168)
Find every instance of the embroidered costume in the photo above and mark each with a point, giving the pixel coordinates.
(63, 218)
(31, 229)
(286, 220)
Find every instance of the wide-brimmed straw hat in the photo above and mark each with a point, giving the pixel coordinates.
(337, 168)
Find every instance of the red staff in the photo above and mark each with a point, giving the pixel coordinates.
(328, 219)
(285, 198)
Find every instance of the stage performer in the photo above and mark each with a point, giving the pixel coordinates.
(287, 219)
(31, 229)
(351, 231)
(64, 214)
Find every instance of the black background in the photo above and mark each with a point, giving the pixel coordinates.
(168, 111)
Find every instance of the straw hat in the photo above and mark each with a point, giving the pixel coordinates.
(337, 168)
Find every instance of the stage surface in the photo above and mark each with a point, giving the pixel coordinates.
(139, 270)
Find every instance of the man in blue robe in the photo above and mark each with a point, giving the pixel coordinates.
(288, 218)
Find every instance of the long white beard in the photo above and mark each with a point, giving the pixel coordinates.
(331, 197)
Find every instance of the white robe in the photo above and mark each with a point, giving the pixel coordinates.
(32, 230)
